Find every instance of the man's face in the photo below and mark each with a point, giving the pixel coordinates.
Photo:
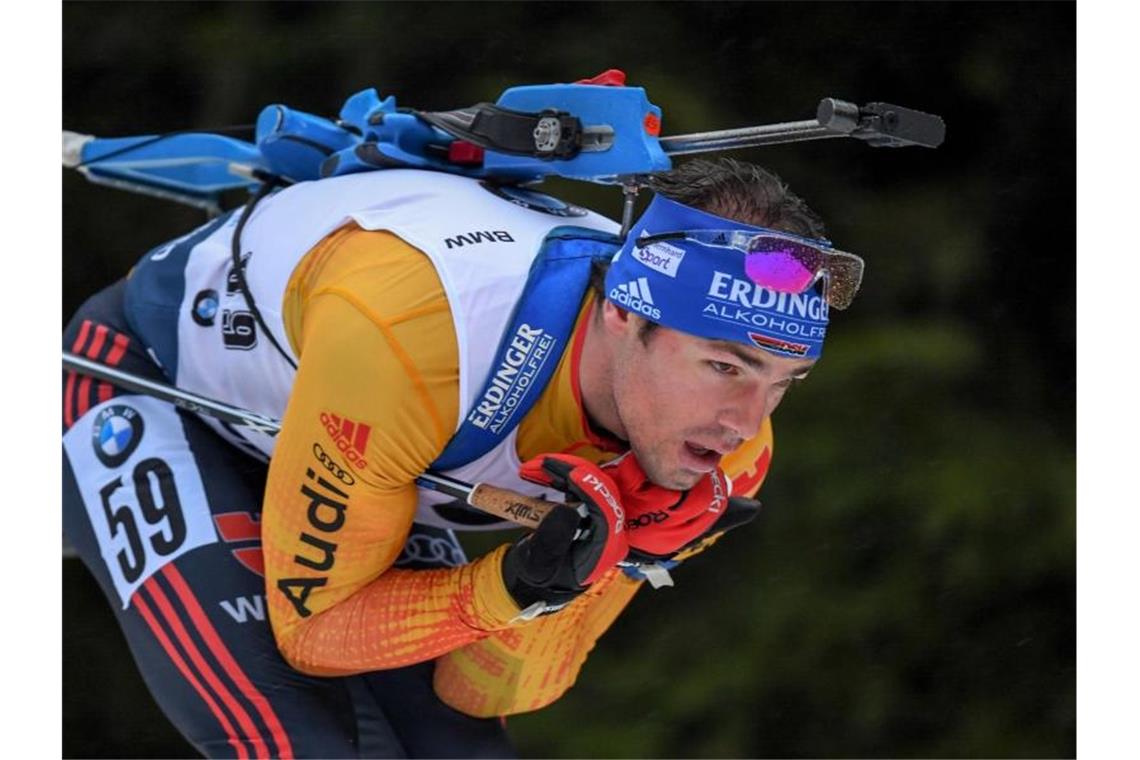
(684, 402)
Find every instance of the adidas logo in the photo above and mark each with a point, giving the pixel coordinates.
(636, 296)
(351, 438)
(638, 288)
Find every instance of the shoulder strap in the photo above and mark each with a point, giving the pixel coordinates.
(533, 343)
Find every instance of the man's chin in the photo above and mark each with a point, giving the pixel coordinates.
(675, 478)
(686, 479)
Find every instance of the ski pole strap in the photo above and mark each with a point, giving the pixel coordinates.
(535, 339)
(548, 134)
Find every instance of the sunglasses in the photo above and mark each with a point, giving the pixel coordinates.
(782, 262)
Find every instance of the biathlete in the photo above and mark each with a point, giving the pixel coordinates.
(298, 595)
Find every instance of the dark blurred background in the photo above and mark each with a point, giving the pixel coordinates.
(910, 589)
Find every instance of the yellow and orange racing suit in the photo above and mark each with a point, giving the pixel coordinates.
(368, 317)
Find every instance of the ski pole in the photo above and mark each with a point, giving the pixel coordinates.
(503, 503)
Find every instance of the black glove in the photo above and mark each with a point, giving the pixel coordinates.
(574, 544)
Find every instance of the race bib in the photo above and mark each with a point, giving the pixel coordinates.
(141, 487)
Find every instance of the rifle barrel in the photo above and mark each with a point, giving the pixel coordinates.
(744, 137)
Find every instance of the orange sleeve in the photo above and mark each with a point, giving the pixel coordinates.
(374, 401)
(522, 669)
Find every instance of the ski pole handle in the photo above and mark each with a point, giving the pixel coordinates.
(527, 511)
(512, 506)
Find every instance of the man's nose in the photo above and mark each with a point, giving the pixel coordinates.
(745, 416)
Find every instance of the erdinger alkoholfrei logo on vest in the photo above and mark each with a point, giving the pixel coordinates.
(527, 352)
(116, 434)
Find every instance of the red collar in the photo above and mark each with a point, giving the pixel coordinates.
(603, 440)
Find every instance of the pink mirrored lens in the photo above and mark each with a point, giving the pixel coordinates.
(779, 270)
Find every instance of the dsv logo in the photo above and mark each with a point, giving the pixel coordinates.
(338, 472)
(646, 519)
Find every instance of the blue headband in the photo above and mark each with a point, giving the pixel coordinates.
(704, 291)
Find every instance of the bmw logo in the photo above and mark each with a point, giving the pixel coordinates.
(116, 434)
(205, 307)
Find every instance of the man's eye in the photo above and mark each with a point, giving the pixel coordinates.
(724, 368)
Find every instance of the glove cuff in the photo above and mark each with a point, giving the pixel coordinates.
(492, 607)
(525, 594)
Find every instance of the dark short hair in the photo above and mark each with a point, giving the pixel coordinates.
(733, 189)
(740, 191)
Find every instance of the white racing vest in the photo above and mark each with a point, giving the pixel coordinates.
(481, 241)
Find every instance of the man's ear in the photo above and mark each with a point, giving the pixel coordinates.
(616, 320)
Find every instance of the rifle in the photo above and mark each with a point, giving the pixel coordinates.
(595, 130)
